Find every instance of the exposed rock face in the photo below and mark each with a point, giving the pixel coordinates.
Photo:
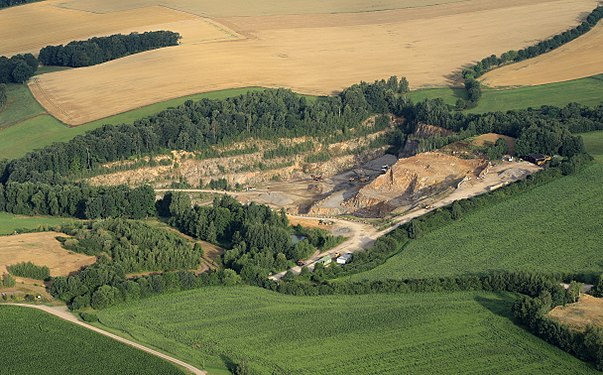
(411, 179)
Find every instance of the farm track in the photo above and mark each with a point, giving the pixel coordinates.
(63, 313)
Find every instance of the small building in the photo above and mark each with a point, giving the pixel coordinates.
(345, 258)
(537, 159)
(326, 260)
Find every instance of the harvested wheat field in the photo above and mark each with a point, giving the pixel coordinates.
(588, 311)
(56, 25)
(43, 250)
(580, 58)
(309, 53)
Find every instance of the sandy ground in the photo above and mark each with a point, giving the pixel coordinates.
(588, 311)
(42, 249)
(580, 58)
(63, 313)
(310, 53)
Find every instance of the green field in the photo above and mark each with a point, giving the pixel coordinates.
(429, 333)
(594, 143)
(26, 126)
(587, 91)
(557, 227)
(34, 342)
(10, 223)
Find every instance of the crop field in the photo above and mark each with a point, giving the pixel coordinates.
(34, 342)
(26, 126)
(10, 223)
(384, 334)
(312, 53)
(587, 91)
(580, 58)
(552, 228)
(42, 249)
(593, 141)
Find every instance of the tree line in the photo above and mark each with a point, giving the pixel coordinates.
(272, 114)
(105, 284)
(77, 200)
(29, 270)
(540, 48)
(471, 73)
(530, 311)
(101, 49)
(195, 126)
(18, 68)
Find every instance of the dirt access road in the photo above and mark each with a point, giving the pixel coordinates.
(361, 235)
(63, 313)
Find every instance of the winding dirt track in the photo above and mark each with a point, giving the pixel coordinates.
(63, 313)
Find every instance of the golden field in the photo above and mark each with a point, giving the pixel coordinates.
(229, 45)
(580, 58)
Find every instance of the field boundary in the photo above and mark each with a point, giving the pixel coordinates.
(62, 313)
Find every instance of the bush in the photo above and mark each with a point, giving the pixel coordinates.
(18, 68)
(7, 281)
(29, 270)
(89, 317)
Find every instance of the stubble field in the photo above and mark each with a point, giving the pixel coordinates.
(43, 250)
(310, 53)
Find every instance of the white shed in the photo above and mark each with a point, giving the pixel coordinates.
(345, 258)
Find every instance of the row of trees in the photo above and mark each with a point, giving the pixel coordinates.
(77, 200)
(269, 114)
(133, 245)
(105, 283)
(98, 50)
(531, 313)
(544, 46)
(471, 73)
(29, 270)
(18, 68)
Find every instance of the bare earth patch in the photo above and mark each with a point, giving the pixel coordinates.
(580, 58)
(491, 138)
(41, 249)
(588, 311)
(309, 53)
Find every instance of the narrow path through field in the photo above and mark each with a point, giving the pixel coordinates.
(63, 313)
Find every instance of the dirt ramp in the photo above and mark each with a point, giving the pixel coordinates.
(410, 179)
